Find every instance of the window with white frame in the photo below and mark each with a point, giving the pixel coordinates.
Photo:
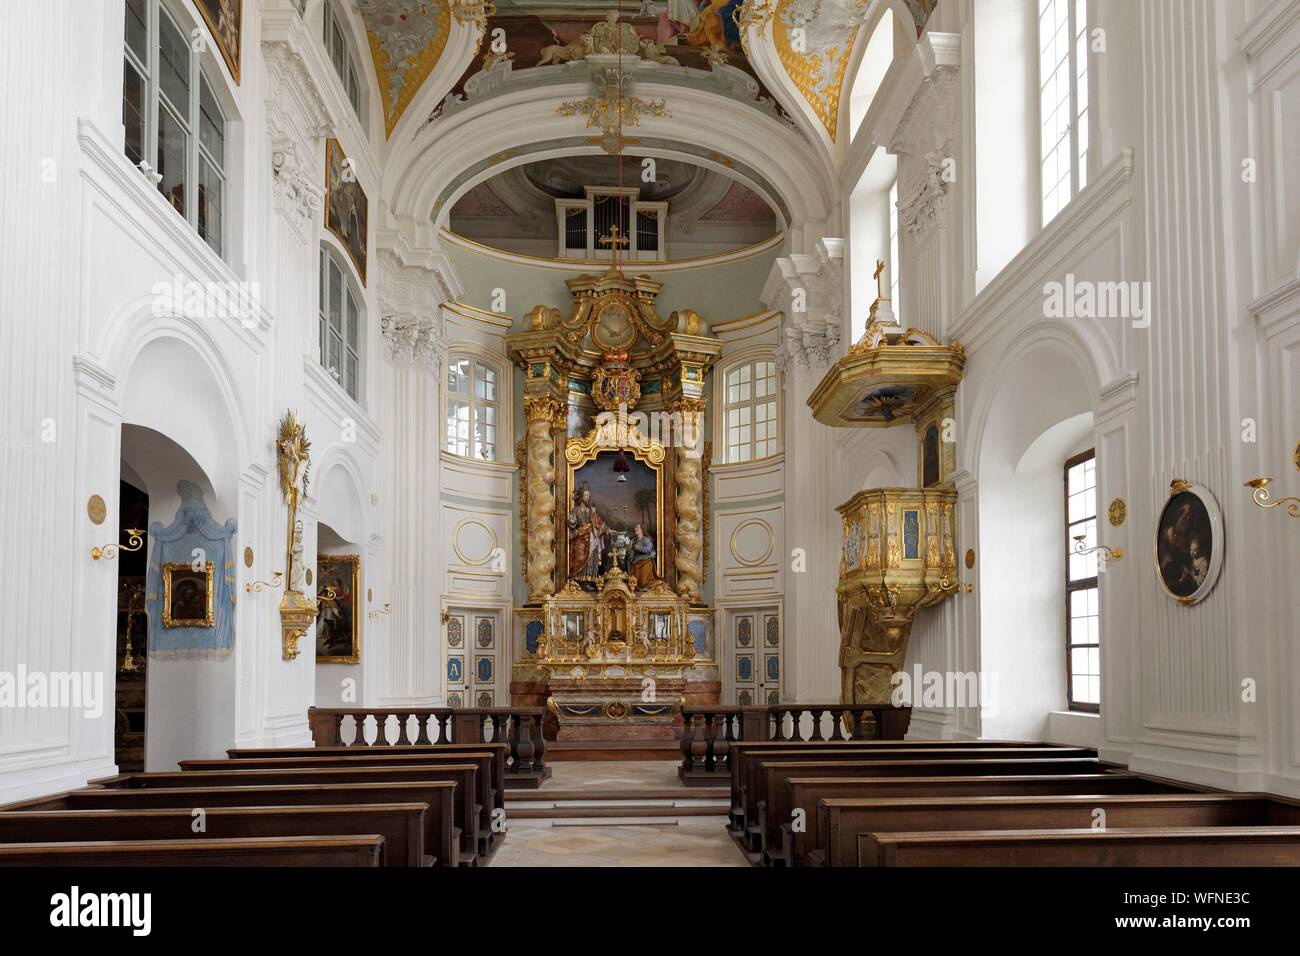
(471, 408)
(340, 323)
(895, 261)
(175, 126)
(749, 410)
(1063, 101)
(341, 55)
(1082, 608)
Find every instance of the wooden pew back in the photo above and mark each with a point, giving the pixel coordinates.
(400, 824)
(254, 851)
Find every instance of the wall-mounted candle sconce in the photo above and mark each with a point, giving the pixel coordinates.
(1081, 548)
(135, 541)
(374, 615)
(1261, 495)
(277, 580)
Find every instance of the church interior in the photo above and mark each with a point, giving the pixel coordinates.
(716, 433)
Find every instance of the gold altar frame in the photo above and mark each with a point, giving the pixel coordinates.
(171, 568)
(605, 438)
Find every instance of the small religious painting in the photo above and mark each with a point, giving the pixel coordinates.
(338, 629)
(225, 19)
(614, 519)
(187, 595)
(1189, 543)
(930, 457)
(346, 206)
(660, 626)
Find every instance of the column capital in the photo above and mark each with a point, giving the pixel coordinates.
(413, 341)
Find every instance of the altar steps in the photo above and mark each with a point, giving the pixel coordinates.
(605, 795)
(647, 807)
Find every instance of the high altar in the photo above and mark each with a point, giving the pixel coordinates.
(614, 513)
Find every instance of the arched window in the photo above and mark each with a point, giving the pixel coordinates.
(471, 408)
(1082, 613)
(340, 323)
(175, 126)
(334, 37)
(750, 410)
(1063, 101)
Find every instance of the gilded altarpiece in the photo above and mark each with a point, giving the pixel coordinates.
(612, 502)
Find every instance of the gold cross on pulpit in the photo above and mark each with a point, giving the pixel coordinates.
(880, 286)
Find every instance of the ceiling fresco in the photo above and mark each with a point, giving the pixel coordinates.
(557, 36)
(407, 38)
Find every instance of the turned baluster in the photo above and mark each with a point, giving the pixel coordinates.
(688, 737)
(538, 738)
(710, 735)
(422, 729)
(818, 733)
(402, 737)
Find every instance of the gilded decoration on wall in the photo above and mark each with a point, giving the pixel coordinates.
(293, 460)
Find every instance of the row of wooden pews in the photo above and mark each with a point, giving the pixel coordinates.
(987, 803)
(417, 805)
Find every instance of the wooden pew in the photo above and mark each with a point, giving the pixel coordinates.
(400, 824)
(742, 754)
(252, 851)
(441, 836)
(809, 847)
(768, 795)
(487, 760)
(770, 792)
(463, 775)
(499, 751)
(848, 819)
(1193, 846)
(748, 790)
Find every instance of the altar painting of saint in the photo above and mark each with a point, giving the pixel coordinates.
(612, 521)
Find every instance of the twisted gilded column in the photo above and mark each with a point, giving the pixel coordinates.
(543, 415)
(689, 559)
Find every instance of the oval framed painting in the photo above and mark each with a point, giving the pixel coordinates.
(1189, 543)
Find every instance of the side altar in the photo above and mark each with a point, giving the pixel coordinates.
(614, 637)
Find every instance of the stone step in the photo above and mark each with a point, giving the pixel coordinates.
(630, 793)
(614, 811)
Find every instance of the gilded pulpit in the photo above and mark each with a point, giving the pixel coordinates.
(899, 551)
(612, 502)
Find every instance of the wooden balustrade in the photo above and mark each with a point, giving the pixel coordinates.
(709, 730)
(520, 727)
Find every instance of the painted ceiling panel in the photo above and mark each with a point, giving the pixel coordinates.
(407, 38)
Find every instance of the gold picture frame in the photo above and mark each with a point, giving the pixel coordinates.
(228, 35)
(581, 452)
(182, 606)
(338, 618)
(347, 209)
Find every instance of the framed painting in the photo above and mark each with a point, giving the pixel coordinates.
(225, 19)
(338, 627)
(347, 209)
(187, 595)
(1189, 543)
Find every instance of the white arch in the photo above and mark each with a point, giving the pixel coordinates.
(135, 326)
(339, 458)
(419, 171)
(1091, 353)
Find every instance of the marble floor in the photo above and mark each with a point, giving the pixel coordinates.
(689, 841)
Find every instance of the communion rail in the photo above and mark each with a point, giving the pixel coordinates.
(708, 731)
(520, 727)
